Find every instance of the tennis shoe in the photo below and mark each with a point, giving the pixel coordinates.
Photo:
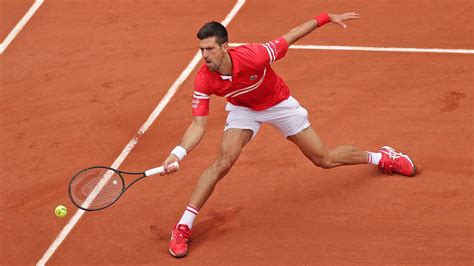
(180, 235)
(393, 161)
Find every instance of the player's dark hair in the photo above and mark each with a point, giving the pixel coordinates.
(212, 29)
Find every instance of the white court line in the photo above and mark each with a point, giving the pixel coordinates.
(376, 49)
(172, 91)
(20, 25)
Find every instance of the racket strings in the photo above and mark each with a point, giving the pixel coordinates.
(96, 188)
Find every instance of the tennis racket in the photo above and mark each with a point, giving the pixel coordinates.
(98, 187)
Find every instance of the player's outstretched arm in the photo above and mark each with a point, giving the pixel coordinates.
(194, 133)
(307, 27)
(189, 141)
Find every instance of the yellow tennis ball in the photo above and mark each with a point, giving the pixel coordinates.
(60, 211)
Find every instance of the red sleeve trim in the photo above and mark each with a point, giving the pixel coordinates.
(276, 49)
(200, 107)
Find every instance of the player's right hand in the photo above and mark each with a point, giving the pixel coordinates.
(167, 165)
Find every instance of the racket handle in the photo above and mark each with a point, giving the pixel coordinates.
(159, 170)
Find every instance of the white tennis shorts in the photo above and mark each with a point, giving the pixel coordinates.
(288, 117)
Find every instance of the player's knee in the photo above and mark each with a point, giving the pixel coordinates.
(222, 166)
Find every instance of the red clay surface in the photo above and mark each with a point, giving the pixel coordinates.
(81, 78)
(11, 12)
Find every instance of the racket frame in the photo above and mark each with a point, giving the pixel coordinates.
(150, 172)
(124, 188)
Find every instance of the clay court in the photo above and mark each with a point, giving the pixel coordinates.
(82, 77)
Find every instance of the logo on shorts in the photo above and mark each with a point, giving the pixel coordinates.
(253, 77)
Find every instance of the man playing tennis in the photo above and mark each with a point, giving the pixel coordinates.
(256, 95)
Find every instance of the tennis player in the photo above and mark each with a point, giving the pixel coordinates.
(256, 94)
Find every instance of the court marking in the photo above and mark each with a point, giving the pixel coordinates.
(376, 49)
(184, 75)
(156, 112)
(36, 5)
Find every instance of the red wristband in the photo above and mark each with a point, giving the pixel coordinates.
(322, 19)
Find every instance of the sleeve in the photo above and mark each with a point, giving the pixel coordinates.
(269, 52)
(201, 96)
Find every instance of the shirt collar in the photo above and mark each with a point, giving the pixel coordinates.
(235, 62)
(235, 66)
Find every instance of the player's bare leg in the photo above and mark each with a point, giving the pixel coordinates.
(232, 144)
(313, 148)
(385, 158)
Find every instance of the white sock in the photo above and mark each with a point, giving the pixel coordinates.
(188, 216)
(374, 157)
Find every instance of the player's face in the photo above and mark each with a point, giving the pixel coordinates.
(212, 53)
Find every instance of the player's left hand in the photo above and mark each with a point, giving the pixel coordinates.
(339, 18)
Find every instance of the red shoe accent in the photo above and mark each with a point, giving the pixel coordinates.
(180, 236)
(397, 162)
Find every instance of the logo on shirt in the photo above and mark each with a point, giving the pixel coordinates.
(195, 103)
(253, 77)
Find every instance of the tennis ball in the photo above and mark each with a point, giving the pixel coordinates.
(60, 211)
